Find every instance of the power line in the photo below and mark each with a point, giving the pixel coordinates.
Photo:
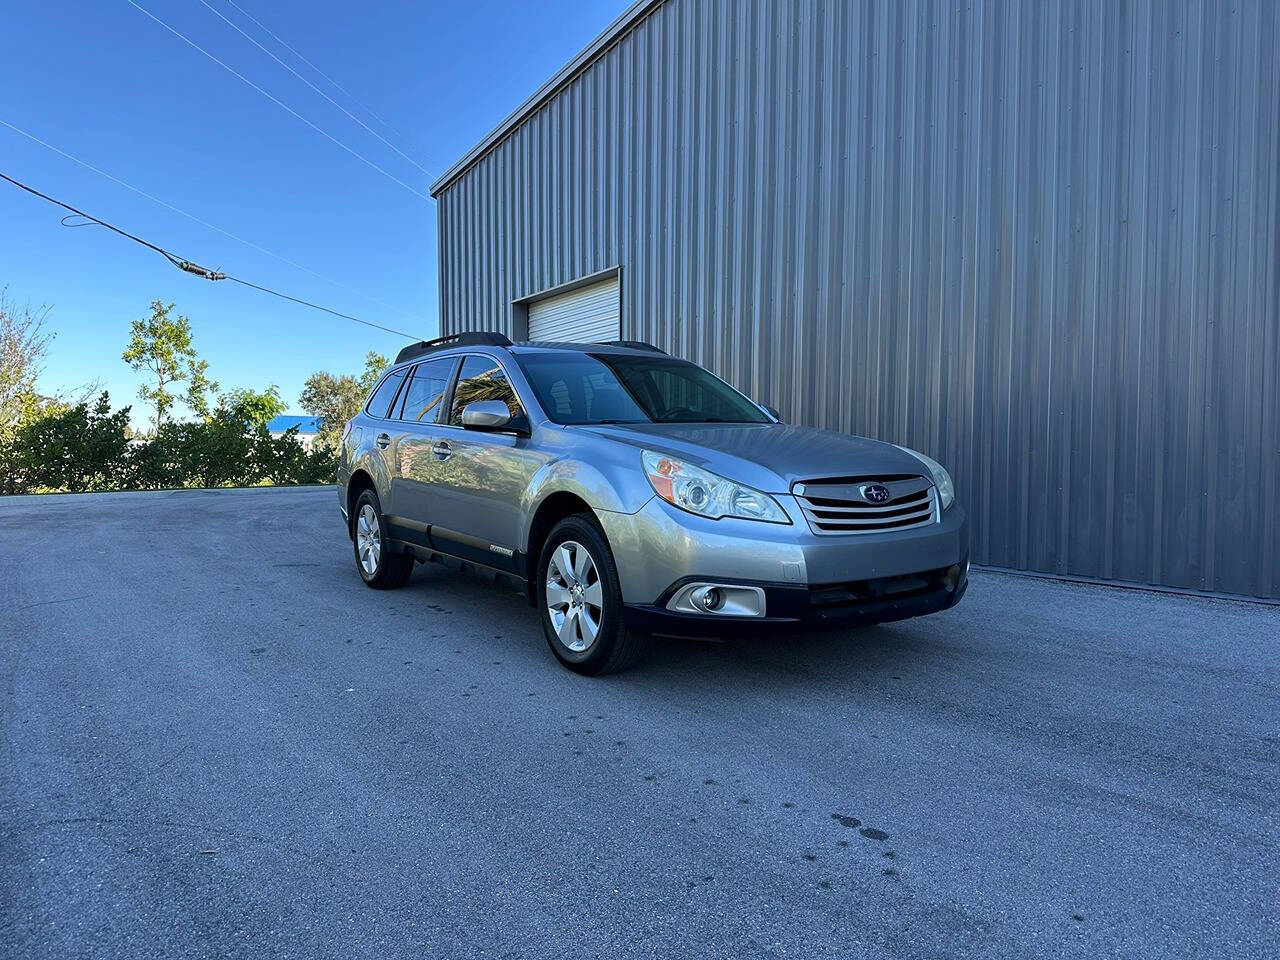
(205, 223)
(278, 102)
(214, 10)
(274, 36)
(172, 258)
(194, 268)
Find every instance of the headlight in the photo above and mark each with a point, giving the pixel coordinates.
(708, 495)
(941, 479)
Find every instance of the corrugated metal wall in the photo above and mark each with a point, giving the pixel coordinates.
(1038, 241)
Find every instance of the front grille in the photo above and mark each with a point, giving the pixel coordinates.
(841, 506)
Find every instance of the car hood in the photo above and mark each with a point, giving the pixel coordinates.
(767, 456)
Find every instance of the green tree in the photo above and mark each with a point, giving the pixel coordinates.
(252, 408)
(374, 364)
(76, 449)
(162, 345)
(336, 399)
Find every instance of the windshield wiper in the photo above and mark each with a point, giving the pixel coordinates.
(709, 420)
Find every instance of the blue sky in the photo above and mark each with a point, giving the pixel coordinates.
(102, 81)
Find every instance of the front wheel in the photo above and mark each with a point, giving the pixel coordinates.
(580, 600)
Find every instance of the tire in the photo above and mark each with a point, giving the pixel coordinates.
(581, 608)
(378, 567)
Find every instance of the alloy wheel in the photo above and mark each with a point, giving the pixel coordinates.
(368, 540)
(575, 596)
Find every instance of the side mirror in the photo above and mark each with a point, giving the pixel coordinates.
(486, 415)
(771, 411)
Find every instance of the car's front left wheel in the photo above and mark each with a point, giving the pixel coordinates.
(379, 567)
(580, 600)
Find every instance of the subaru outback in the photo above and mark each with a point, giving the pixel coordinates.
(630, 493)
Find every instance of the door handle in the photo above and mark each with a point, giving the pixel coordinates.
(383, 440)
(442, 451)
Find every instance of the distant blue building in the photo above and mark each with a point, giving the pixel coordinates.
(308, 427)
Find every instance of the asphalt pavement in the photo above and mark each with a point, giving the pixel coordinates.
(219, 743)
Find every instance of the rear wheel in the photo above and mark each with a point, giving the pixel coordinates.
(379, 567)
(580, 600)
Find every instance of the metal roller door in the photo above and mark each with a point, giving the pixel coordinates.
(585, 315)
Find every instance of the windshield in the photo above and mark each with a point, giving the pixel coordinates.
(578, 388)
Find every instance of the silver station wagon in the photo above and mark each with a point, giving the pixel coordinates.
(632, 493)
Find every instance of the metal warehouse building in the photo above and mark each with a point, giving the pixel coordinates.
(1037, 241)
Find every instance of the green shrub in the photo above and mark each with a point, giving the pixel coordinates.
(86, 448)
(76, 450)
(157, 463)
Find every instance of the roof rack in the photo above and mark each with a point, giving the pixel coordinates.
(476, 339)
(634, 345)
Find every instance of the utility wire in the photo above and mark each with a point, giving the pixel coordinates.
(278, 102)
(194, 268)
(214, 10)
(347, 93)
(172, 258)
(205, 223)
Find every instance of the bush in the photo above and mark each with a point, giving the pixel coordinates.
(157, 463)
(284, 460)
(11, 478)
(85, 448)
(77, 449)
(216, 453)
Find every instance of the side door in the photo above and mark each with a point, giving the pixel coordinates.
(476, 500)
(420, 412)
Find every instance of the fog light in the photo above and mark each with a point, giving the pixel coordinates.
(709, 599)
(951, 579)
(721, 599)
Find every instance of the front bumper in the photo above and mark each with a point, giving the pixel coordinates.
(660, 544)
(813, 608)
(808, 579)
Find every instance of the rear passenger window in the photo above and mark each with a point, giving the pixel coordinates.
(482, 379)
(386, 392)
(424, 395)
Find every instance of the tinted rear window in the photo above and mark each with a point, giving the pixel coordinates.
(380, 402)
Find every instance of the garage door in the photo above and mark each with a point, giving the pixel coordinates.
(586, 315)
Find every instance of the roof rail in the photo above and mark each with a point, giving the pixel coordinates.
(634, 345)
(470, 339)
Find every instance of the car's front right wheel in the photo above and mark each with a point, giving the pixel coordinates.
(580, 600)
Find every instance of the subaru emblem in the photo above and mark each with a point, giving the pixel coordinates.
(875, 492)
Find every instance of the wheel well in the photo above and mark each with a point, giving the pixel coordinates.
(550, 512)
(358, 484)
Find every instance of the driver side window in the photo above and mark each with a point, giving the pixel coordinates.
(482, 378)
